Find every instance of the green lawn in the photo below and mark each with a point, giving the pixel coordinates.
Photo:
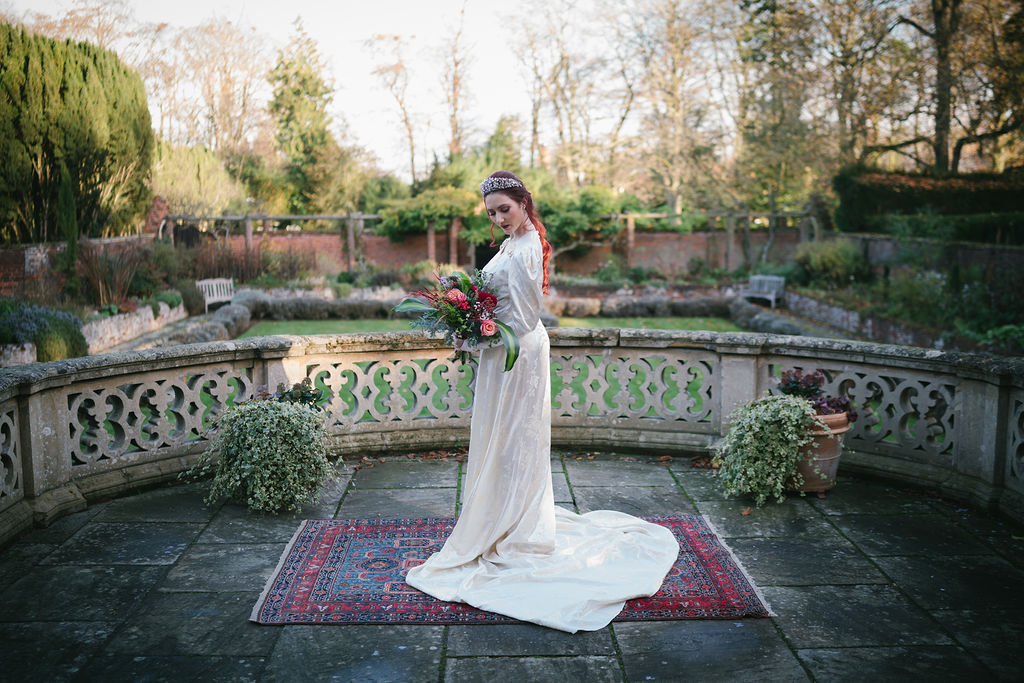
(269, 327)
(711, 324)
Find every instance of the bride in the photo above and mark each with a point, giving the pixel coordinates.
(512, 551)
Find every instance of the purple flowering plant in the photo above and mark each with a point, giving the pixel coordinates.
(809, 386)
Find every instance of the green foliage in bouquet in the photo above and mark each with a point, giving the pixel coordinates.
(269, 454)
(760, 452)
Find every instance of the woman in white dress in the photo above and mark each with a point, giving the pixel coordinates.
(512, 551)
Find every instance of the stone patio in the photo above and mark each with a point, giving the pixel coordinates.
(872, 583)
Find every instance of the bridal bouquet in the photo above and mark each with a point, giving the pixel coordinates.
(462, 307)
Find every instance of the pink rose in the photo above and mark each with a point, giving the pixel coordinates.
(456, 296)
(488, 328)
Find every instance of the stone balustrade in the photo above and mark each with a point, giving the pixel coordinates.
(89, 428)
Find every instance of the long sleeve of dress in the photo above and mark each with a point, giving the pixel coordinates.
(525, 280)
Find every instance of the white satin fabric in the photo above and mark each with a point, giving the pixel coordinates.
(512, 551)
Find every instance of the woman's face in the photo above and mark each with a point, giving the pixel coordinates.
(505, 212)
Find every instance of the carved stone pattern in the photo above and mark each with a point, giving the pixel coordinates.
(635, 388)
(111, 426)
(904, 414)
(1015, 440)
(11, 490)
(392, 394)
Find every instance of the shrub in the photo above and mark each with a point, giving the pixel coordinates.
(271, 455)
(865, 193)
(171, 298)
(56, 334)
(610, 271)
(832, 263)
(190, 296)
(918, 296)
(108, 273)
(760, 452)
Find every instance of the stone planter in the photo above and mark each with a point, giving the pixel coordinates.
(821, 463)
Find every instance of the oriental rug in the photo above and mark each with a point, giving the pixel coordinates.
(352, 571)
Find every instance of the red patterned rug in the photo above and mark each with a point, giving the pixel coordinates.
(352, 571)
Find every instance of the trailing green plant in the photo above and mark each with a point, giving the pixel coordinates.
(759, 454)
(270, 455)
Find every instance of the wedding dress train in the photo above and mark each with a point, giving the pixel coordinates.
(512, 551)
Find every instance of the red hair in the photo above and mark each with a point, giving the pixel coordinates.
(522, 196)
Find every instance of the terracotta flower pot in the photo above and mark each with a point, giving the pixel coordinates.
(820, 465)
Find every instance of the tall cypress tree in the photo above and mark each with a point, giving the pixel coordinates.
(77, 107)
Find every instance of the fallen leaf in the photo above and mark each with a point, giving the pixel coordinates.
(746, 511)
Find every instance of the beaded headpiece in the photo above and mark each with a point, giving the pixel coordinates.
(493, 184)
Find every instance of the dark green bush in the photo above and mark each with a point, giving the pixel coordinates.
(867, 193)
(998, 228)
(171, 298)
(190, 296)
(60, 339)
(832, 263)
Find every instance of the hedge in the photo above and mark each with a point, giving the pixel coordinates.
(865, 194)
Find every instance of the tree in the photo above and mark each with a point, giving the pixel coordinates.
(75, 107)
(945, 17)
(395, 77)
(228, 66)
(453, 81)
(299, 105)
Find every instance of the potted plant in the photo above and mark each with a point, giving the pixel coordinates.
(774, 443)
(269, 452)
(820, 463)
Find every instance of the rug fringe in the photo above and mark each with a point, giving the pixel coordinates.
(743, 570)
(258, 607)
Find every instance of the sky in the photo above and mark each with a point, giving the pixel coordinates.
(341, 28)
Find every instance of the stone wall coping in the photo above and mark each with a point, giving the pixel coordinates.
(33, 377)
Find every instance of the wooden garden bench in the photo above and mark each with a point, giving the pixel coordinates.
(770, 287)
(216, 290)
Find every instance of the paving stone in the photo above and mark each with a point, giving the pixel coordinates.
(978, 582)
(70, 593)
(919, 663)
(65, 527)
(181, 503)
(407, 474)
(237, 524)
(357, 653)
(851, 616)
(934, 534)
(794, 517)
(401, 503)
(561, 488)
(706, 650)
(173, 669)
(224, 567)
(994, 637)
(556, 463)
(854, 497)
(804, 561)
(194, 624)
(49, 650)
(617, 472)
(633, 500)
(525, 639)
(20, 558)
(703, 485)
(591, 669)
(126, 543)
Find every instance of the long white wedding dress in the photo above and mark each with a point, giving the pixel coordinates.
(512, 551)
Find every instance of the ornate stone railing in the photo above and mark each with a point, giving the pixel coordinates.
(85, 429)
